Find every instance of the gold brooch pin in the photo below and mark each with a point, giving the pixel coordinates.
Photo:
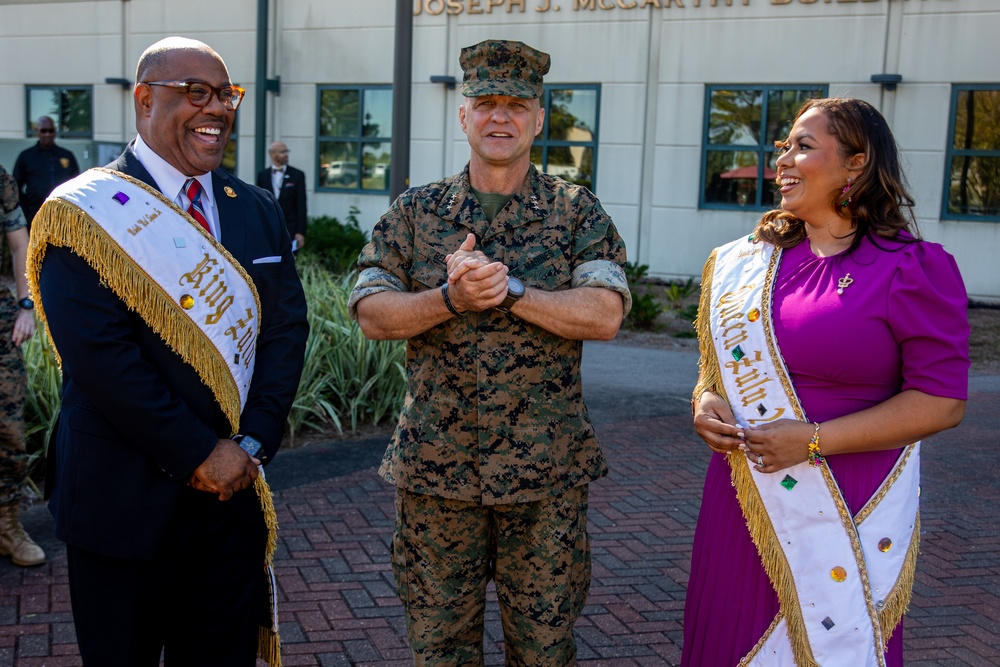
(844, 283)
(229, 192)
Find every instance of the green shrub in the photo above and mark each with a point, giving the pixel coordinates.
(333, 244)
(676, 293)
(645, 310)
(635, 272)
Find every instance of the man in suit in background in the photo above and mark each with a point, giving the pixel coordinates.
(174, 392)
(288, 185)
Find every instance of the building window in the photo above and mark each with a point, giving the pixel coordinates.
(741, 125)
(69, 107)
(567, 144)
(355, 135)
(972, 170)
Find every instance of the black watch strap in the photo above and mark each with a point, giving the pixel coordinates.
(26, 304)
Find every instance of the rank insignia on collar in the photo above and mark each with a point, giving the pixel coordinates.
(229, 192)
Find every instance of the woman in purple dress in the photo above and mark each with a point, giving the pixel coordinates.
(833, 339)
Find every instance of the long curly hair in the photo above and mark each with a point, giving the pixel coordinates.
(880, 204)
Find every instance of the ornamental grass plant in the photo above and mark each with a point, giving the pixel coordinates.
(347, 381)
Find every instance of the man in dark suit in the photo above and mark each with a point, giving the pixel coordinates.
(154, 485)
(288, 185)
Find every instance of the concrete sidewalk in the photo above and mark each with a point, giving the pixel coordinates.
(338, 605)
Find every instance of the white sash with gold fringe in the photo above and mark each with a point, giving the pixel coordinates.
(843, 582)
(182, 282)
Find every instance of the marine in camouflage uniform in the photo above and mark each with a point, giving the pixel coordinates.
(16, 324)
(494, 448)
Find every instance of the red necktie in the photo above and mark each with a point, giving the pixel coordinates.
(193, 190)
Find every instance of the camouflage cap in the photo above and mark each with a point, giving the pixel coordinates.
(500, 67)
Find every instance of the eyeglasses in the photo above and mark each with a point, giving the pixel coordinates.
(200, 93)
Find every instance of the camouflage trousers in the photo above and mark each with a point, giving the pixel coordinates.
(13, 388)
(445, 552)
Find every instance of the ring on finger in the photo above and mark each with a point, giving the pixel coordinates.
(760, 459)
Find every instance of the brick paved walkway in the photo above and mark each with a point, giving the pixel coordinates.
(338, 605)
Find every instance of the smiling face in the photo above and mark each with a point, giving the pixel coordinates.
(190, 138)
(812, 170)
(501, 129)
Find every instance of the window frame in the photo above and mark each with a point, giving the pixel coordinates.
(764, 150)
(542, 141)
(952, 152)
(359, 139)
(31, 132)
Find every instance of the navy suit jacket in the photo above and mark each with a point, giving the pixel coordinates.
(136, 420)
(291, 197)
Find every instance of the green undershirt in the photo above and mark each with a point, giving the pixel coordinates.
(491, 202)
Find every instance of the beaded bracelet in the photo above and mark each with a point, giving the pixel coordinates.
(815, 458)
(447, 301)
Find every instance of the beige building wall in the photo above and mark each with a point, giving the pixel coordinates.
(652, 59)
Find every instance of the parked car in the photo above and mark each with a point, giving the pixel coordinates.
(342, 172)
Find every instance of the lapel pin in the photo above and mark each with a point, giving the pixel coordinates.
(229, 192)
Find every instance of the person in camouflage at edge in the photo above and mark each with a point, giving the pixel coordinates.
(17, 324)
(494, 276)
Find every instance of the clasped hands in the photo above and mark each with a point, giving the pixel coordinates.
(769, 447)
(475, 282)
(227, 469)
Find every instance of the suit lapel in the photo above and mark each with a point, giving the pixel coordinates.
(128, 163)
(228, 203)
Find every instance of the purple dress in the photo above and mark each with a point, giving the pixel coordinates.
(902, 324)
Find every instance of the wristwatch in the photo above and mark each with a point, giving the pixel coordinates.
(248, 444)
(26, 303)
(515, 290)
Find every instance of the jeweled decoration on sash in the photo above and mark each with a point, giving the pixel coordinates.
(754, 314)
(789, 482)
(738, 353)
(120, 197)
(838, 574)
(187, 302)
(884, 544)
(828, 623)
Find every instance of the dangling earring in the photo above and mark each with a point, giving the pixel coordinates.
(850, 182)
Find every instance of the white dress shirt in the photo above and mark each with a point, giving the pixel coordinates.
(277, 176)
(171, 184)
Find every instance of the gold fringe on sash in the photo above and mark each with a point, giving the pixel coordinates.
(758, 520)
(898, 601)
(709, 373)
(754, 513)
(60, 223)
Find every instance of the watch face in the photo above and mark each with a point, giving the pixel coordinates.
(515, 287)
